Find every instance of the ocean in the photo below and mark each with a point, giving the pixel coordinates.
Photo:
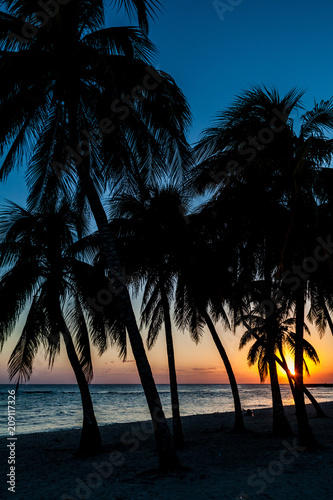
(41, 408)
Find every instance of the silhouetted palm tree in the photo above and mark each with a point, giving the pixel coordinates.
(201, 295)
(153, 225)
(58, 86)
(155, 312)
(312, 152)
(43, 274)
(284, 340)
(269, 327)
(281, 361)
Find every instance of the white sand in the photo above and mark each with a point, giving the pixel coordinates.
(223, 465)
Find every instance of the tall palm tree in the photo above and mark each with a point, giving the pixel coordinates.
(155, 312)
(42, 273)
(202, 288)
(57, 88)
(254, 158)
(152, 224)
(313, 151)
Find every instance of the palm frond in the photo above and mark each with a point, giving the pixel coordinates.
(142, 9)
(20, 363)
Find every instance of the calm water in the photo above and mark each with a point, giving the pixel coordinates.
(51, 407)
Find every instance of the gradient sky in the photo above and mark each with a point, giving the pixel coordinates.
(214, 56)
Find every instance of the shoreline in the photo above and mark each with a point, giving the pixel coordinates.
(217, 460)
(77, 428)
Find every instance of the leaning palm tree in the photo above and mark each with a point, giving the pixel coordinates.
(42, 274)
(58, 86)
(155, 312)
(193, 317)
(201, 293)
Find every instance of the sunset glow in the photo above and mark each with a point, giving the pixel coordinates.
(195, 364)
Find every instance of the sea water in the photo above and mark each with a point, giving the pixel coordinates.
(53, 407)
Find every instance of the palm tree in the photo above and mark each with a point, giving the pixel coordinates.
(58, 86)
(202, 290)
(266, 327)
(43, 274)
(281, 361)
(312, 151)
(152, 224)
(155, 311)
(257, 329)
(272, 172)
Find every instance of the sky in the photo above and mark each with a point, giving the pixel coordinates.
(214, 51)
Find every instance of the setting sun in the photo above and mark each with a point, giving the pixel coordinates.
(292, 370)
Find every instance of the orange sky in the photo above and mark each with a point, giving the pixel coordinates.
(196, 364)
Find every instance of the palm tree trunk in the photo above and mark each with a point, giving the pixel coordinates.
(318, 408)
(178, 436)
(288, 372)
(281, 426)
(239, 423)
(90, 441)
(168, 459)
(306, 438)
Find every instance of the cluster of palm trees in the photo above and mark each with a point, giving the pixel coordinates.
(248, 257)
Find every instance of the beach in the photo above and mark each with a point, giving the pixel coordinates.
(219, 464)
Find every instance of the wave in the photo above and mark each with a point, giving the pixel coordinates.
(36, 392)
(125, 393)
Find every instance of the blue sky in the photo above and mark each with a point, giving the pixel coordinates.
(214, 55)
(275, 42)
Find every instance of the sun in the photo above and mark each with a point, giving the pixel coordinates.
(291, 368)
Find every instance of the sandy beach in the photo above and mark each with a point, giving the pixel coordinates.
(220, 465)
